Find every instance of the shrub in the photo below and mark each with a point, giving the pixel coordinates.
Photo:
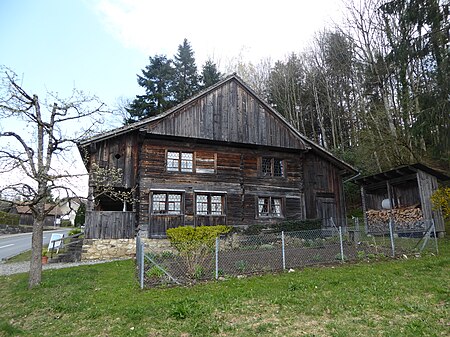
(9, 219)
(286, 226)
(154, 272)
(195, 245)
(441, 200)
(74, 231)
(66, 223)
(187, 238)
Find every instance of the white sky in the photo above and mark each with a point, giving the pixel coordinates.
(99, 46)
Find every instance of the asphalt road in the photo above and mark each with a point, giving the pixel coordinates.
(14, 244)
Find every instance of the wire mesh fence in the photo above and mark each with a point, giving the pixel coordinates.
(235, 254)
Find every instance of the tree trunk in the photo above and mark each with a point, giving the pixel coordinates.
(36, 252)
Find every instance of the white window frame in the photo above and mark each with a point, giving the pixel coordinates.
(180, 158)
(208, 204)
(170, 206)
(272, 204)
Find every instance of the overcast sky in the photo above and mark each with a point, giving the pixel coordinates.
(99, 46)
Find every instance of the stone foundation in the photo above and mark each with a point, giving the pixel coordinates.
(106, 249)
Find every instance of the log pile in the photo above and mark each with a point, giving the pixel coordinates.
(403, 218)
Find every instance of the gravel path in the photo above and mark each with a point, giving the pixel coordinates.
(24, 267)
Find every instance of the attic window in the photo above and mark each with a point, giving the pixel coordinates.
(179, 161)
(272, 167)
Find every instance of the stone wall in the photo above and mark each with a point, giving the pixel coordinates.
(105, 249)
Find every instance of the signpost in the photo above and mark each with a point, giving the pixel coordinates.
(55, 242)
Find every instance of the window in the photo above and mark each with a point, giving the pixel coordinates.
(180, 161)
(166, 203)
(209, 204)
(272, 167)
(269, 207)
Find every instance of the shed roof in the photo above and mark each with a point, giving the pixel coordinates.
(400, 172)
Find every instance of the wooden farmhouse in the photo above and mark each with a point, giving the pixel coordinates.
(403, 196)
(221, 157)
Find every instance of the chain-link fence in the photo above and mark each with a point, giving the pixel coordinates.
(236, 254)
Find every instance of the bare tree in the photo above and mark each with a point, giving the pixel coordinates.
(40, 159)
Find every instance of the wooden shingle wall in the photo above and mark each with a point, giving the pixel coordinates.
(230, 114)
(237, 176)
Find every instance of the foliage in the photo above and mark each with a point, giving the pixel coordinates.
(106, 180)
(65, 223)
(395, 298)
(74, 231)
(286, 226)
(187, 238)
(210, 74)
(9, 219)
(195, 245)
(80, 216)
(157, 80)
(441, 200)
(154, 272)
(168, 82)
(186, 79)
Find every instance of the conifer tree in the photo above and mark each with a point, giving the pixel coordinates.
(210, 74)
(186, 80)
(157, 80)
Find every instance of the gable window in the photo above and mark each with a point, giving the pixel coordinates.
(209, 204)
(178, 161)
(269, 207)
(272, 167)
(166, 203)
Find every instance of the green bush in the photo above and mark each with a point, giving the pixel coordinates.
(9, 219)
(74, 231)
(285, 226)
(66, 223)
(195, 245)
(186, 238)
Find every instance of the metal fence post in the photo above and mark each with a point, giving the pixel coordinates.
(217, 258)
(141, 259)
(435, 236)
(341, 243)
(391, 234)
(283, 251)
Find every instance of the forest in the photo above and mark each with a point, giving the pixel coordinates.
(374, 89)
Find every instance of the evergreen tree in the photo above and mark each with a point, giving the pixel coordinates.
(186, 79)
(157, 79)
(210, 74)
(80, 216)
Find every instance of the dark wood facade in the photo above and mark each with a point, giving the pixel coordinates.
(222, 157)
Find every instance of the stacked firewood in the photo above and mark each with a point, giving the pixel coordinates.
(398, 215)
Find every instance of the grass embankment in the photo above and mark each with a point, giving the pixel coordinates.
(390, 298)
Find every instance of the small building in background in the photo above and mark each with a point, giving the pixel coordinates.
(26, 217)
(403, 196)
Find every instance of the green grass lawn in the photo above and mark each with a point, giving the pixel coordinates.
(390, 298)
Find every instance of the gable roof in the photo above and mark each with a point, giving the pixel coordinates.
(228, 111)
